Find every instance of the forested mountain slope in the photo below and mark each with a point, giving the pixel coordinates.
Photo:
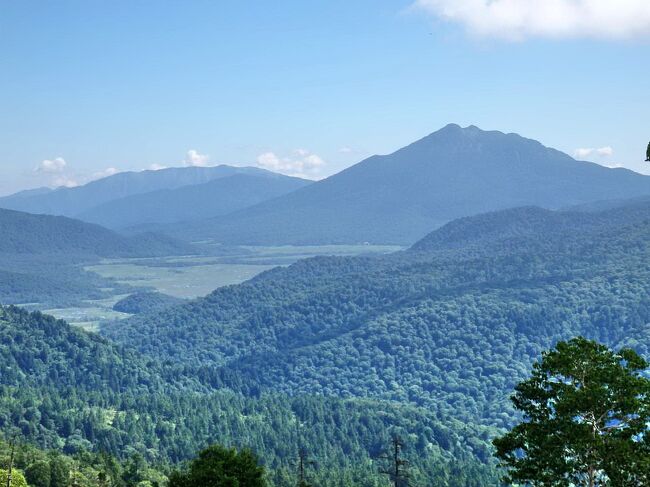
(451, 325)
(24, 233)
(64, 388)
(217, 197)
(145, 302)
(400, 197)
(41, 257)
(73, 201)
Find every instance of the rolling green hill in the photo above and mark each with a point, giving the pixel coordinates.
(145, 302)
(337, 353)
(24, 233)
(41, 257)
(450, 325)
(64, 388)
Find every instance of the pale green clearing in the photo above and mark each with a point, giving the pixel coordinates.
(190, 281)
(190, 277)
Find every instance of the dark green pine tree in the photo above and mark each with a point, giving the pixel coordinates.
(586, 413)
(217, 466)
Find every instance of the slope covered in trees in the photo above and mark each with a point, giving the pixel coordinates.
(41, 257)
(399, 197)
(55, 281)
(64, 388)
(448, 327)
(145, 302)
(25, 233)
(336, 353)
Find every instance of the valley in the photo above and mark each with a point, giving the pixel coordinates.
(139, 347)
(397, 243)
(188, 277)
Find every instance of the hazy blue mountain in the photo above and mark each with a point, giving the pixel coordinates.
(398, 198)
(73, 201)
(217, 197)
(27, 234)
(28, 193)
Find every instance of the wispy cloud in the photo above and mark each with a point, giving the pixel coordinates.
(555, 19)
(585, 152)
(301, 163)
(605, 151)
(156, 167)
(57, 173)
(64, 181)
(194, 158)
(109, 171)
(55, 165)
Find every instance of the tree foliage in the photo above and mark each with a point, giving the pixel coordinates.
(17, 478)
(586, 415)
(71, 390)
(217, 466)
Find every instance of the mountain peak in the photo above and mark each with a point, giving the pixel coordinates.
(399, 197)
(454, 133)
(455, 128)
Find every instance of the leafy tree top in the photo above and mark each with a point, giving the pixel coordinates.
(217, 466)
(17, 478)
(586, 413)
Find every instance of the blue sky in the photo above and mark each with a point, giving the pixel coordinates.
(307, 87)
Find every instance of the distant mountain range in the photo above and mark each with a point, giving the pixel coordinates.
(391, 199)
(193, 202)
(74, 202)
(398, 198)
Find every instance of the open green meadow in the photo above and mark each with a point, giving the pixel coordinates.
(190, 277)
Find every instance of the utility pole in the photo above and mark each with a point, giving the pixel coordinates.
(12, 443)
(397, 469)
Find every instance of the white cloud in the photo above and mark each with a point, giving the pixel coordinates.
(585, 152)
(156, 167)
(302, 163)
(582, 152)
(55, 165)
(194, 158)
(556, 19)
(109, 171)
(605, 151)
(346, 150)
(64, 181)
